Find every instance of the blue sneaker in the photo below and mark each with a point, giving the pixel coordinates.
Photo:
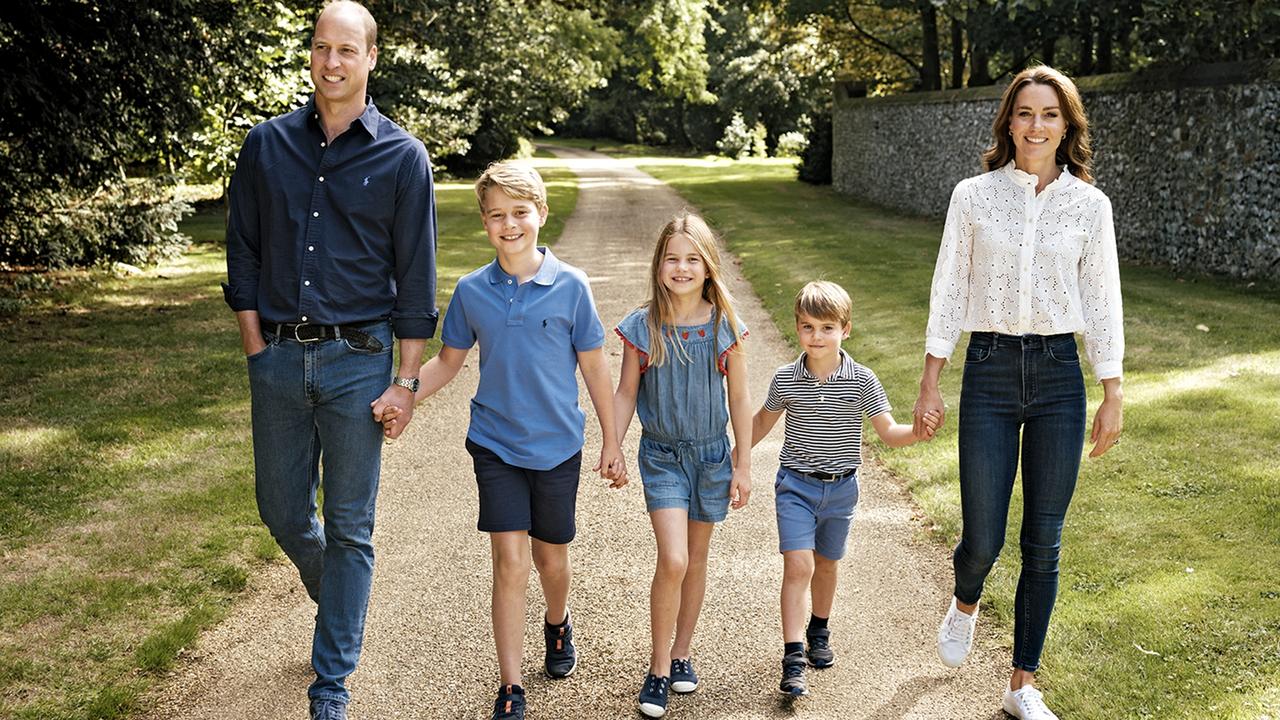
(510, 703)
(819, 651)
(793, 682)
(562, 656)
(328, 709)
(683, 678)
(653, 696)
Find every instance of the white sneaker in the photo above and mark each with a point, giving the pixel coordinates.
(955, 636)
(1027, 703)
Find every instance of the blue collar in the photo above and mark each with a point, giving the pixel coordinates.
(545, 276)
(370, 118)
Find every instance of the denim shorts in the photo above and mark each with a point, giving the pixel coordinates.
(542, 502)
(694, 476)
(814, 514)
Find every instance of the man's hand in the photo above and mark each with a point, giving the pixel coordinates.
(394, 409)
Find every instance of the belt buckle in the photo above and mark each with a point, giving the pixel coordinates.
(297, 338)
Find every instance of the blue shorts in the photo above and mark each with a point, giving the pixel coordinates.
(692, 476)
(814, 514)
(541, 502)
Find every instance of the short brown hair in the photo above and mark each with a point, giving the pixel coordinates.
(518, 180)
(1075, 151)
(370, 25)
(824, 300)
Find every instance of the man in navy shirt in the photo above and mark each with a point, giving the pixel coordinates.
(330, 250)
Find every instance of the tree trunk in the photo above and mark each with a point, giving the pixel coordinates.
(931, 65)
(1085, 66)
(1047, 50)
(957, 53)
(1105, 31)
(979, 51)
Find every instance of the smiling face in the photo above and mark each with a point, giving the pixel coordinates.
(1037, 124)
(341, 57)
(683, 272)
(820, 337)
(511, 223)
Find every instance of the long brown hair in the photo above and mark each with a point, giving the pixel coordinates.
(662, 320)
(1075, 151)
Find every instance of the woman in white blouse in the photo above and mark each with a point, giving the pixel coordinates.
(1028, 259)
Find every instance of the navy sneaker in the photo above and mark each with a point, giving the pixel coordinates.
(328, 709)
(793, 683)
(653, 695)
(683, 678)
(510, 703)
(562, 656)
(819, 648)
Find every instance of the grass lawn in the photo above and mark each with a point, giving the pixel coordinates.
(126, 485)
(1170, 591)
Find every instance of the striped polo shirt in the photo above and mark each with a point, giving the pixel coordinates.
(823, 431)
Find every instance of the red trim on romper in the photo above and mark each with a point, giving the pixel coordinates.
(724, 368)
(644, 356)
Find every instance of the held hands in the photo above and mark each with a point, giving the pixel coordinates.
(929, 414)
(394, 409)
(612, 466)
(740, 486)
(924, 427)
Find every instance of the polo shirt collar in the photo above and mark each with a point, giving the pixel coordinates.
(370, 119)
(546, 274)
(844, 372)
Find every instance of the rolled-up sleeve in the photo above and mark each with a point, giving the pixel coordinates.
(244, 236)
(1100, 300)
(949, 297)
(413, 237)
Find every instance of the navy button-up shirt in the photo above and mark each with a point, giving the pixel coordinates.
(333, 234)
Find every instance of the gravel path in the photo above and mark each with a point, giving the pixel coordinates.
(428, 651)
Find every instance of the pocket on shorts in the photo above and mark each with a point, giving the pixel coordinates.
(659, 465)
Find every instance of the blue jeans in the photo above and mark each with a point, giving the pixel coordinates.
(1032, 384)
(311, 401)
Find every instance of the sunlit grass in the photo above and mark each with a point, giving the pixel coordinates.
(1169, 605)
(126, 485)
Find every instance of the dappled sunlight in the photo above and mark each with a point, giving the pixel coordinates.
(1141, 390)
(27, 442)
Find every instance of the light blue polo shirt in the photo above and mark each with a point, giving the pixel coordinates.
(526, 407)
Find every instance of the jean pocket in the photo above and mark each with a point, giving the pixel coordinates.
(1065, 352)
(715, 458)
(976, 354)
(270, 344)
(386, 348)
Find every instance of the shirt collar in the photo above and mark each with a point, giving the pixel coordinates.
(844, 372)
(370, 119)
(546, 274)
(1025, 178)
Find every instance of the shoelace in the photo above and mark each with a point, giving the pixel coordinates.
(792, 670)
(1032, 704)
(959, 629)
(818, 642)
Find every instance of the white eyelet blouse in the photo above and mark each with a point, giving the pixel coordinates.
(1014, 262)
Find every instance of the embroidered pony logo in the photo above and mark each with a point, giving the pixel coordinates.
(366, 181)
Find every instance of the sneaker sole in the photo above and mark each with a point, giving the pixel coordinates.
(817, 666)
(684, 687)
(651, 710)
(788, 693)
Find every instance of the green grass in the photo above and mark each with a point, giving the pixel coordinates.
(1170, 597)
(126, 489)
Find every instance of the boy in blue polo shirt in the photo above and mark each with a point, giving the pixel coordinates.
(536, 322)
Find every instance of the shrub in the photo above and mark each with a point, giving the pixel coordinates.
(740, 141)
(815, 161)
(792, 144)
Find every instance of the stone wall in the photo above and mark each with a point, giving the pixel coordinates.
(1190, 159)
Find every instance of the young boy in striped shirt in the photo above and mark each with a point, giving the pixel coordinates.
(825, 395)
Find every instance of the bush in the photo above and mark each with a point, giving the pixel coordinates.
(815, 161)
(740, 141)
(133, 222)
(792, 144)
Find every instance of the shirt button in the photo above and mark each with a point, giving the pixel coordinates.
(321, 144)
(510, 300)
(321, 178)
(304, 318)
(311, 248)
(315, 214)
(508, 282)
(306, 282)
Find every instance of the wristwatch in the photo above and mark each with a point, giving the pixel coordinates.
(410, 383)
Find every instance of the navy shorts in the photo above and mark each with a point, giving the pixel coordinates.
(540, 502)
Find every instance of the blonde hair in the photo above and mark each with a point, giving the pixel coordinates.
(661, 319)
(1076, 150)
(517, 180)
(824, 300)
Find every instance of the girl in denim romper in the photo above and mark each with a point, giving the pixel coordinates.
(682, 361)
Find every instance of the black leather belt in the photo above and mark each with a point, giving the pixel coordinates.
(825, 477)
(307, 332)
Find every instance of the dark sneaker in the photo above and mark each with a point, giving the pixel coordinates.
(793, 667)
(326, 709)
(562, 657)
(510, 703)
(819, 648)
(653, 695)
(683, 678)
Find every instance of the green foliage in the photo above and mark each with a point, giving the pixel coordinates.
(741, 140)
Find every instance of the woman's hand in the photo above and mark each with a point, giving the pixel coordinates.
(1109, 420)
(930, 400)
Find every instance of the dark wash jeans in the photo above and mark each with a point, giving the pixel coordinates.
(311, 402)
(1032, 384)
